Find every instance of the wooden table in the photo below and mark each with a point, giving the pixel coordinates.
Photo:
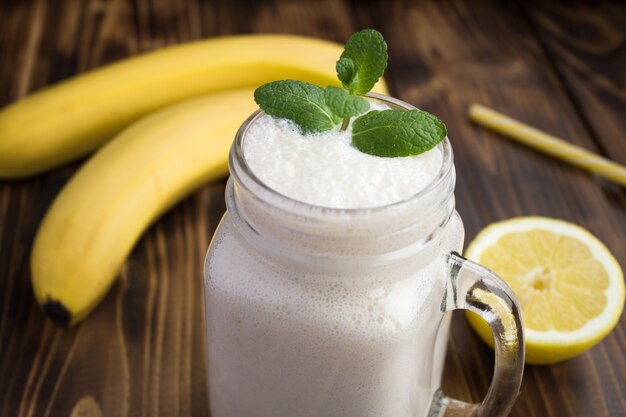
(560, 68)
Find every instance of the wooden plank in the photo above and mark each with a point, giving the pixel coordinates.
(586, 44)
(444, 55)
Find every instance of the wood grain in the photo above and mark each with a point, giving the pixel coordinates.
(141, 353)
(586, 45)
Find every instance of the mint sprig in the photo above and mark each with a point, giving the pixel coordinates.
(393, 133)
(387, 133)
(363, 61)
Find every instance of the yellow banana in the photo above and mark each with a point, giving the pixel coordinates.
(102, 211)
(68, 120)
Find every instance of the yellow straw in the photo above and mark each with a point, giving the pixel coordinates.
(546, 143)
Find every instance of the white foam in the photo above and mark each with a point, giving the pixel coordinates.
(326, 170)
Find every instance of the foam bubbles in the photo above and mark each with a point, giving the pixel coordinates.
(326, 170)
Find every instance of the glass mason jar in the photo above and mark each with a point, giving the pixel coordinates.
(321, 312)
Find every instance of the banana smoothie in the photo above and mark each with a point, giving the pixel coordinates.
(313, 319)
(328, 281)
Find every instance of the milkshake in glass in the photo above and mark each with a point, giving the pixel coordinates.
(329, 278)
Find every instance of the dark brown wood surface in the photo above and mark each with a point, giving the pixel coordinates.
(558, 66)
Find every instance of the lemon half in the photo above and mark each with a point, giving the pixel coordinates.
(569, 286)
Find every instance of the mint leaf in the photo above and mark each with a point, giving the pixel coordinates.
(347, 73)
(299, 101)
(344, 105)
(363, 61)
(393, 133)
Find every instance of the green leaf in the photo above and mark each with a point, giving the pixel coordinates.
(393, 133)
(347, 73)
(363, 61)
(344, 105)
(299, 101)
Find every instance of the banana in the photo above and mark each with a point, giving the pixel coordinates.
(63, 122)
(102, 211)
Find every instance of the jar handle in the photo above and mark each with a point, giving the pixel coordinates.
(476, 288)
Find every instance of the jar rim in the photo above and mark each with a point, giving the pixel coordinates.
(240, 169)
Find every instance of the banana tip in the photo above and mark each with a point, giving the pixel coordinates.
(57, 312)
